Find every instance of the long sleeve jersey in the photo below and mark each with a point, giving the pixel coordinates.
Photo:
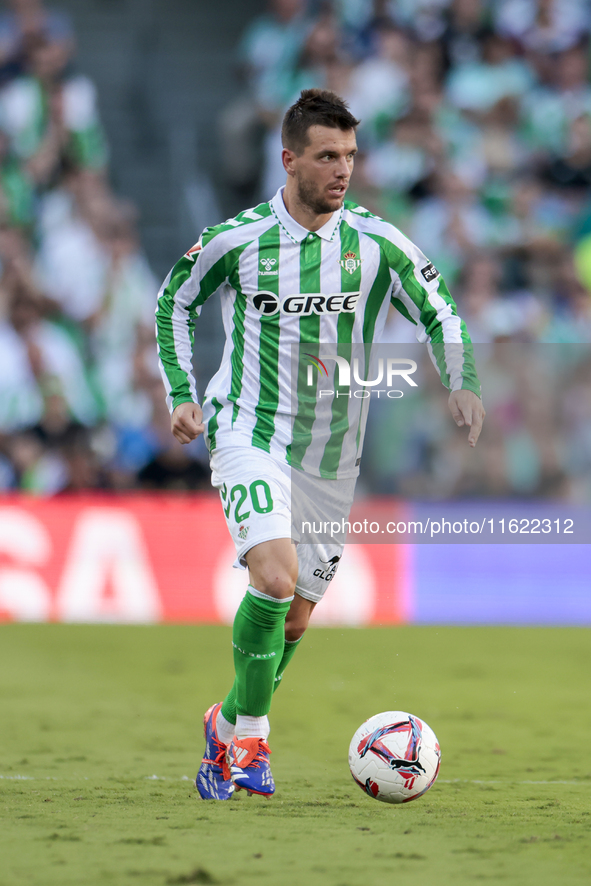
(286, 294)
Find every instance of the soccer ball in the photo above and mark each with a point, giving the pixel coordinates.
(394, 757)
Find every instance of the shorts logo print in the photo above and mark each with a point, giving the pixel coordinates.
(328, 574)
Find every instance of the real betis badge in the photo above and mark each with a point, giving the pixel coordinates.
(350, 262)
(243, 531)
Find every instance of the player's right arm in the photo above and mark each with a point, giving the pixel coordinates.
(187, 422)
(194, 278)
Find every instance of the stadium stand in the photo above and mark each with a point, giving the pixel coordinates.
(475, 140)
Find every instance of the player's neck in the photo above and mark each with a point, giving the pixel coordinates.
(303, 214)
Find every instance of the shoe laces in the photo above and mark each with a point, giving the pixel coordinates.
(260, 757)
(219, 756)
(221, 761)
(217, 746)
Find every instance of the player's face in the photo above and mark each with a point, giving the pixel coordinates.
(322, 172)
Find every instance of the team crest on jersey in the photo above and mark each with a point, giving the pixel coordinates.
(194, 251)
(350, 262)
(243, 531)
(268, 264)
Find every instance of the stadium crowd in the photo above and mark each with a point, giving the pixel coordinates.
(475, 140)
(81, 402)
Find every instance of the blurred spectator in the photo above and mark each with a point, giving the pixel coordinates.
(451, 223)
(408, 158)
(26, 22)
(123, 320)
(51, 115)
(571, 320)
(543, 25)
(490, 316)
(268, 54)
(477, 86)
(379, 85)
(550, 106)
(72, 257)
(17, 189)
(270, 48)
(464, 31)
(425, 18)
(21, 402)
(52, 356)
(572, 168)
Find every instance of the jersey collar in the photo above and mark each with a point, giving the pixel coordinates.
(294, 229)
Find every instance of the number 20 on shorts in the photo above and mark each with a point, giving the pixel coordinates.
(260, 496)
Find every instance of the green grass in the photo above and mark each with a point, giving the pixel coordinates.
(89, 715)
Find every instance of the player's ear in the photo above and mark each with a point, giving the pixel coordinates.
(288, 157)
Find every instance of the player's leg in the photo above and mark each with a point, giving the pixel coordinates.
(317, 567)
(249, 700)
(258, 638)
(255, 498)
(259, 631)
(296, 623)
(298, 618)
(257, 501)
(318, 559)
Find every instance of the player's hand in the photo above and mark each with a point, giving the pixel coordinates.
(467, 409)
(187, 422)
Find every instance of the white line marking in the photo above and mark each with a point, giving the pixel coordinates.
(500, 781)
(582, 783)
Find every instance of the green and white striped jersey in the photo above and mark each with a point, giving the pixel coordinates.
(285, 290)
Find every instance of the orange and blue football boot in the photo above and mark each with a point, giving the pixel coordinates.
(248, 759)
(213, 779)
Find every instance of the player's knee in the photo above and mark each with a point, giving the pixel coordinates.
(295, 628)
(276, 583)
(298, 619)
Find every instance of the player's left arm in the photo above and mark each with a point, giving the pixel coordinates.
(453, 354)
(425, 298)
(467, 409)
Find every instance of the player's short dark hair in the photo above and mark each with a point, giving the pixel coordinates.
(315, 107)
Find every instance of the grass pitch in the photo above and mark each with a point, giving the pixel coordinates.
(100, 739)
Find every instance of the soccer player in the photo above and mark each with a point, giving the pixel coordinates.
(306, 268)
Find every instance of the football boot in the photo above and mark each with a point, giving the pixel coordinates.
(213, 779)
(248, 760)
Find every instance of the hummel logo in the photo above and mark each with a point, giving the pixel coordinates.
(268, 263)
(240, 754)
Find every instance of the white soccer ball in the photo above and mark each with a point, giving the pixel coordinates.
(394, 757)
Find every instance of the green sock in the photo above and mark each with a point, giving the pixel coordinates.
(258, 639)
(289, 648)
(229, 704)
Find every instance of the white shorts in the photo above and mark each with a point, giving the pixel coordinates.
(256, 494)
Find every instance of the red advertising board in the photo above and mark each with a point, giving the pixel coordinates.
(162, 558)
